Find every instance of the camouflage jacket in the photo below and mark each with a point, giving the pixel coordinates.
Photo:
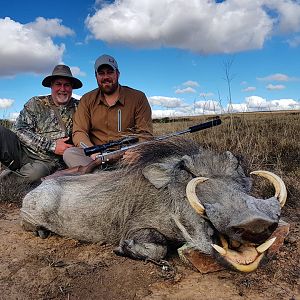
(38, 127)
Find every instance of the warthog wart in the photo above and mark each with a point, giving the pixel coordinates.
(175, 193)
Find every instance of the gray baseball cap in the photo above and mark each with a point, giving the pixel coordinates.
(106, 60)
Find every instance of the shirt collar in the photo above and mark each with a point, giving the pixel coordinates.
(121, 99)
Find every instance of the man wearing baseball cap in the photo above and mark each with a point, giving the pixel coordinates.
(35, 145)
(108, 113)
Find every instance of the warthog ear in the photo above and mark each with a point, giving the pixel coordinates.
(160, 174)
(231, 157)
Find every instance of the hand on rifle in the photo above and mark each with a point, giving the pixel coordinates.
(61, 146)
(94, 156)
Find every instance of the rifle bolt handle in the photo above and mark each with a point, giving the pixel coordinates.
(104, 161)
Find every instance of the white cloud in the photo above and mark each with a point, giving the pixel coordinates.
(251, 104)
(6, 103)
(276, 77)
(185, 90)
(205, 95)
(191, 83)
(284, 104)
(168, 102)
(294, 42)
(277, 87)
(76, 71)
(159, 113)
(49, 27)
(13, 116)
(78, 97)
(181, 111)
(204, 27)
(237, 107)
(209, 105)
(288, 11)
(256, 102)
(29, 47)
(249, 89)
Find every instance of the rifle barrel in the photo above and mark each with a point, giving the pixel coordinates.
(205, 125)
(192, 129)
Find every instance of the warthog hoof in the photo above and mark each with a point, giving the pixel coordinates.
(43, 233)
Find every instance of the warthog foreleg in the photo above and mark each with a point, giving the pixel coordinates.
(36, 230)
(144, 244)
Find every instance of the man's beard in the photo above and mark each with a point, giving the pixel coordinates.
(61, 99)
(108, 87)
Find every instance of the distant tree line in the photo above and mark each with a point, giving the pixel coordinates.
(169, 120)
(6, 123)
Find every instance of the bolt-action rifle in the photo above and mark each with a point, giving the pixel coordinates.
(112, 151)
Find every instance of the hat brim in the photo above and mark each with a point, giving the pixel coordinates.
(107, 64)
(76, 83)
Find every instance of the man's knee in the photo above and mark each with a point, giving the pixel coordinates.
(34, 171)
(75, 156)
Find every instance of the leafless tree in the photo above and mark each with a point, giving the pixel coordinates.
(227, 65)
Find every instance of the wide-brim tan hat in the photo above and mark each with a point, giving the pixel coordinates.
(62, 71)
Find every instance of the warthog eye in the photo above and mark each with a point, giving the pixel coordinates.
(238, 231)
(273, 227)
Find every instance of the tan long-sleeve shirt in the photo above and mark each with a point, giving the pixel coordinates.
(95, 122)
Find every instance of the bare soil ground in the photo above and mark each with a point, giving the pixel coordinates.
(60, 268)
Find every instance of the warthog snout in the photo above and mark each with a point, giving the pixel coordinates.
(253, 229)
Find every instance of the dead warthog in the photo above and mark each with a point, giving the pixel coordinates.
(175, 193)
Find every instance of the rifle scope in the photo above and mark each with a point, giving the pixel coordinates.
(100, 148)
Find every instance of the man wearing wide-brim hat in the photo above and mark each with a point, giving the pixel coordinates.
(35, 145)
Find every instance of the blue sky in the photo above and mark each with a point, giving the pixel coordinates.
(178, 52)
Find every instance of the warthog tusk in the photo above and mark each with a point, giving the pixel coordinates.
(224, 242)
(280, 189)
(192, 197)
(266, 245)
(219, 249)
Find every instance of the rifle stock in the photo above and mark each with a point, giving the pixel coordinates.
(78, 170)
(81, 170)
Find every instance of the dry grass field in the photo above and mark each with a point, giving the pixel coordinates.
(58, 268)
